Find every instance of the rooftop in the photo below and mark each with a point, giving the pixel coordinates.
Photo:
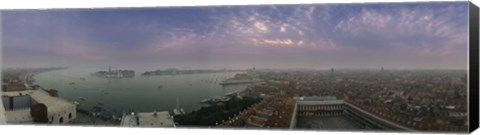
(328, 102)
(316, 98)
(148, 119)
(53, 104)
(257, 121)
(129, 121)
(161, 119)
(265, 112)
(332, 123)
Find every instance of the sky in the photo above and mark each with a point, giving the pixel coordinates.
(313, 36)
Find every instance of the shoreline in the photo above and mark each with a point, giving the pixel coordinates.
(88, 106)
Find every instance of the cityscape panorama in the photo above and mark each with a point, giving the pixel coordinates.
(342, 67)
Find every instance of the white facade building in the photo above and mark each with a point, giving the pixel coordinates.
(59, 111)
(3, 119)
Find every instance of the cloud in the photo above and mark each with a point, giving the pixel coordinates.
(426, 30)
(282, 29)
(279, 26)
(277, 42)
(416, 30)
(260, 26)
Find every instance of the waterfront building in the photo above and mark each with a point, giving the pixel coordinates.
(36, 106)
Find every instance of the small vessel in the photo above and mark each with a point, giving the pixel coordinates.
(178, 110)
(82, 99)
(225, 99)
(71, 83)
(230, 93)
(81, 78)
(204, 101)
(160, 86)
(100, 103)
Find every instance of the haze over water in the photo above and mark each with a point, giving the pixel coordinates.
(140, 93)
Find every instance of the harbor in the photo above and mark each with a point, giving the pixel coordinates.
(99, 111)
(146, 93)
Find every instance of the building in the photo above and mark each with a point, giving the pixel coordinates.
(316, 98)
(320, 108)
(36, 106)
(14, 86)
(265, 113)
(3, 119)
(329, 113)
(148, 119)
(255, 121)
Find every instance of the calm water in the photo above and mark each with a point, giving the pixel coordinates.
(139, 93)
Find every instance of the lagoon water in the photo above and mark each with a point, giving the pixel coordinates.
(140, 93)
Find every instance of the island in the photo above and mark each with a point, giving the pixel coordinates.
(174, 71)
(115, 73)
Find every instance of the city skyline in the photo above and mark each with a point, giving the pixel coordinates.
(398, 36)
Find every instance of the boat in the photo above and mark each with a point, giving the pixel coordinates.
(230, 93)
(71, 83)
(182, 111)
(81, 78)
(160, 86)
(82, 99)
(178, 110)
(204, 101)
(100, 103)
(225, 99)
